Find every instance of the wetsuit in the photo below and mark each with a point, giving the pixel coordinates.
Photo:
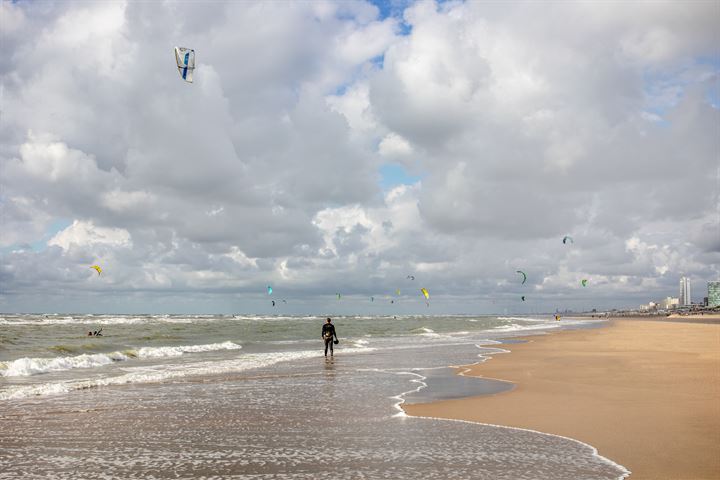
(328, 332)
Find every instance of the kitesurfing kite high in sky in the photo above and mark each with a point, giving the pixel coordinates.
(523, 274)
(411, 277)
(568, 239)
(269, 290)
(97, 268)
(584, 282)
(425, 293)
(185, 58)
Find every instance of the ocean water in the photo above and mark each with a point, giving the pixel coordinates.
(209, 396)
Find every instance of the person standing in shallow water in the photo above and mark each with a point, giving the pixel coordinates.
(328, 332)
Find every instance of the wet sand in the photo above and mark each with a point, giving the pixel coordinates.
(646, 394)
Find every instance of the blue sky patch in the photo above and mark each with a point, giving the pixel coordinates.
(56, 226)
(393, 174)
(40, 244)
(394, 9)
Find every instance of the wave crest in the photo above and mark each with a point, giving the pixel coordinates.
(23, 367)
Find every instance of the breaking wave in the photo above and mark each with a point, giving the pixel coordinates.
(23, 367)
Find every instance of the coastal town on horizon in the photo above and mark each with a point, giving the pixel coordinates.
(683, 304)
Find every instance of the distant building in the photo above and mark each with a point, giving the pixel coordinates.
(685, 298)
(713, 294)
(669, 303)
(648, 307)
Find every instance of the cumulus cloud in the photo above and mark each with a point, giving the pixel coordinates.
(84, 234)
(525, 122)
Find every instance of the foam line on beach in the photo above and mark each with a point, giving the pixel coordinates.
(626, 473)
(400, 397)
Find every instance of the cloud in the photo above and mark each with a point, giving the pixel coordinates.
(393, 145)
(85, 234)
(525, 122)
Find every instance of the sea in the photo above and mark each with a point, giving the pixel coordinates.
(253, 397)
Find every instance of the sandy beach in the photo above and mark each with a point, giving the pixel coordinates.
(645, 393)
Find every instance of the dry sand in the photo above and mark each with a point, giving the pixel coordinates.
(646, 394)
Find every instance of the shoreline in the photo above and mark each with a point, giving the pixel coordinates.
(643, 393)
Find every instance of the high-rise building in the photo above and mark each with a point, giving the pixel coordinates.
(669, 303)
(713, 294)
(685, 298)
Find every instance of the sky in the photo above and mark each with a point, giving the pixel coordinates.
(340, 147)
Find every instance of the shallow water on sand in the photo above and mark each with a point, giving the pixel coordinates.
(297, 419)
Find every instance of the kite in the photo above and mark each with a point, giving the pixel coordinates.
(269, 290)
(567, 239)
(185, 58)
(273, 302)
(523, 274)
(425, 293)
(97, 268)
(397, 292)
(411, 277)
(523, 298)
(584, 282)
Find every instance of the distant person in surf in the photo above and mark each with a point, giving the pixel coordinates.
(328, 332)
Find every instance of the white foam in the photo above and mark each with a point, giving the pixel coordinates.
(160, 373)
(514, 327)
(23, 367)
(425, 331)
(78, 321)
(104, 320)
(524, 319)
(155, 352)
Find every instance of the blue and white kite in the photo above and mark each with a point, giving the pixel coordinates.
(185, 58)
